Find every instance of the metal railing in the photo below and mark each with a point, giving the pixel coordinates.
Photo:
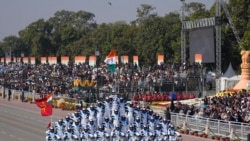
(16, 94)
(218, 127)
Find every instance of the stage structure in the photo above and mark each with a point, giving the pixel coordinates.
(206, 23)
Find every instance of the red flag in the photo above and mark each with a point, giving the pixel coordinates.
(46, 109)
(41, 102)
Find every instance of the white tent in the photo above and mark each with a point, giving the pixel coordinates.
(230, 72)
(229, 79)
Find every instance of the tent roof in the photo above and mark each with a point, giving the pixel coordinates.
(230, 72)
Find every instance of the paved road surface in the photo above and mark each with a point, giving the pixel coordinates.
(22, 122)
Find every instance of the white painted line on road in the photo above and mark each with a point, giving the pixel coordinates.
(21, 139)
(3, 132)
(12, 136)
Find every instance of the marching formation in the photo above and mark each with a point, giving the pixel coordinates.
(113, 120)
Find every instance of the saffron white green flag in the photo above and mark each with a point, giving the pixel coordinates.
(49, 98)
(110, 60)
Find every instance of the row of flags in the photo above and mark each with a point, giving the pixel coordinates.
(45, 104)
(77, 59)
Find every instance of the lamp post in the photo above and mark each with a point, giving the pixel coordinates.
(4, 80)
(97, 53)
(202, 80)
(21, 83)
(22, 55)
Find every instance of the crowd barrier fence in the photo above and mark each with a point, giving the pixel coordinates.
(217, 127)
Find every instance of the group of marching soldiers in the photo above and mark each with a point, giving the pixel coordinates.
(113, 120)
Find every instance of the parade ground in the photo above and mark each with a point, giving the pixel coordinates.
(23, 122)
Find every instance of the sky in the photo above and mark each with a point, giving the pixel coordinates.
(15, 15)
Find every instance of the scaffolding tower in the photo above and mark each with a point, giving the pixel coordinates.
(205, 22)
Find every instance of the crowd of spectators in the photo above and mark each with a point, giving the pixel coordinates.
(128, 78)
(232, 107)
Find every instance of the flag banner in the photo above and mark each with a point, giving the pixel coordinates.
(52, 60)
(160, 59)
(46, 108)
(136, 60)
(124, 59)
(7, 60)
(92, 61)
(14, 59)
(18, 59)
(198, 58)
(80, 59)
(41, 102)
(116, 59)
(49, 98)
(43, 60)
(32, 60)
(2, 59)
(26, 60)
(65, 60)
(111, 60)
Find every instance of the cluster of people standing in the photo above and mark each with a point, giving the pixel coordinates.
(231, 107)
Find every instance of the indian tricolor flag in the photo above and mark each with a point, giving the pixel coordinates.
(7, 60)
(26, 60)
(43, 60)
(2, 59)
(80, 59)
(136, 60)
(160, 59)
(65, 60)
(124, 59)
(49, 98)
(111, 60)
(32, 60)
(92, 61)
(52, 60)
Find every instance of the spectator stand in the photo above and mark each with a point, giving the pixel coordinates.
(227, 114)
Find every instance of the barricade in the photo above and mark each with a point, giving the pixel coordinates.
(218, 127)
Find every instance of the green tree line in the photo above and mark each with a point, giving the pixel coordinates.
(69, 33)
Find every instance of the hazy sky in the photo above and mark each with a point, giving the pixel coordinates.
(15, 15)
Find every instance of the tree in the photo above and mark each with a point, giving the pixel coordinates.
(13, 45)
(36, 38)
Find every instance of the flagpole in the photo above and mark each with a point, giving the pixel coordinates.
(51, 120)
(51, 117)
(117, 81)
